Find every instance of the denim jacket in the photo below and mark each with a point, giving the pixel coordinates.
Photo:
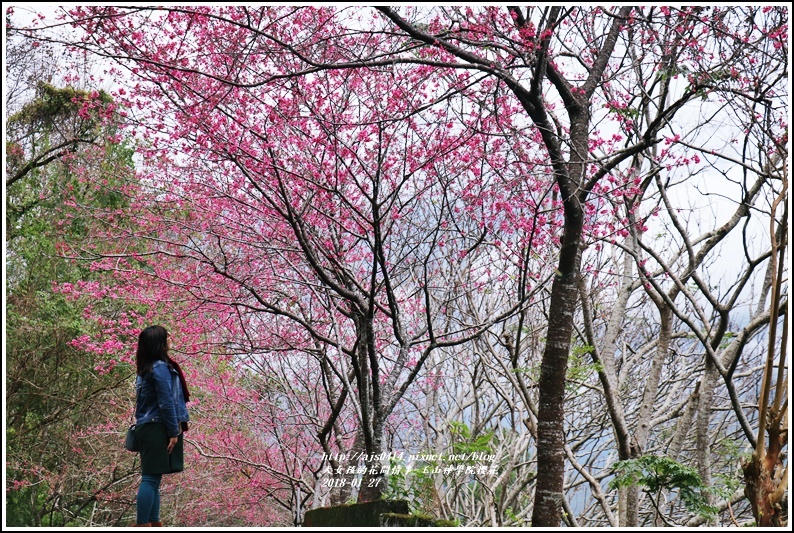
(160, 398)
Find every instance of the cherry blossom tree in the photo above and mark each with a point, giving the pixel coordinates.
(63, 462)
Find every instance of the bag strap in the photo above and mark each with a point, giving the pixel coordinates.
(137, 395)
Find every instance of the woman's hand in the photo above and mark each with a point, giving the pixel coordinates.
(171, 443)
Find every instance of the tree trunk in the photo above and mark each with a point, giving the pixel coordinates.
(551, 388)
(765, 481)
(646, 407)
(703, 435)
(341, 494)
(373, 482)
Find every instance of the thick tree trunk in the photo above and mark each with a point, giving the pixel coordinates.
(551, 437)
(373, 483)
(765, 482)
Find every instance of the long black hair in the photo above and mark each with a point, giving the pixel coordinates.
(152, 346)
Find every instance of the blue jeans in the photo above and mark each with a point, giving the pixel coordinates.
(148, 504)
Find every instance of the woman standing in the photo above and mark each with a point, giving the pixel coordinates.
(161, 418)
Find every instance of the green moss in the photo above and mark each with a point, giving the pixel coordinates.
(414, 520)
(356, 515)
(406, 520)
(382, 513)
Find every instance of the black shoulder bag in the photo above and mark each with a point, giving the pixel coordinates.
(130, 442)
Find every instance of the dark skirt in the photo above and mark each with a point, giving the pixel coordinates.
(153, 442)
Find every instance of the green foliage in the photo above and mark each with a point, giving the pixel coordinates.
(416, 482)
(39, 211)
(727, 338)
(658, 473)
(628, 112)
(533, 372)
(580, 366)
(464, 444)
(728, 485)
(732, 453)
(415, 485)
(21, 505)
(674, 71)
(53, 104)
(55, 394)
(511, 516)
